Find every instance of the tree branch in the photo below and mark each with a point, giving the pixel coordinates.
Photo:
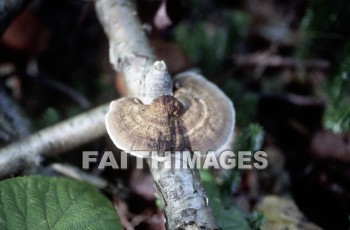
(129, 50)
(59, 138)
(183, 194)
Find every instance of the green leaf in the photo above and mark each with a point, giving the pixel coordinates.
(245, 102)
(39, 202)
(49, 117)
(228, 216)
(325, 29)
(207, 42)
(231, 218)
(337, 116)
(251, 138)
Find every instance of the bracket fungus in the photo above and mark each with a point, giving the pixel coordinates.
(197, 116)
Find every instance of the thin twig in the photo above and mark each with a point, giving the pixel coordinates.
(78, 174)
(66, 90)
(73, 94)
(278, 61)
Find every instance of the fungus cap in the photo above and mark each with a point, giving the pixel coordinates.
(199, 117)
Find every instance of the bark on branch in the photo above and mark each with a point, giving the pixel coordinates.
(181, 189)
(129, 51)
(53, 140)
(184, 197)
